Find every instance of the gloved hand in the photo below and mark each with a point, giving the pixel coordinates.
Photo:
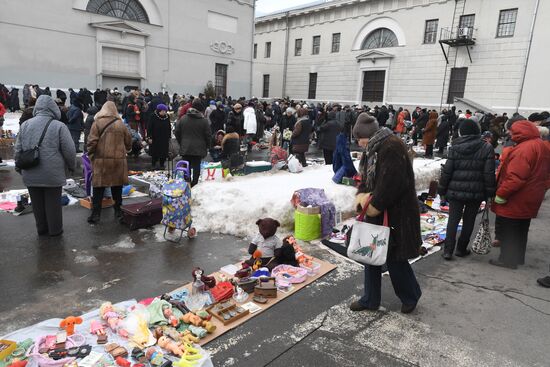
(500, 200)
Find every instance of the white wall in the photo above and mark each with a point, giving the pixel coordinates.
(55, 45)
(417, 71)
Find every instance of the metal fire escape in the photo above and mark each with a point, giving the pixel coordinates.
(457, 35)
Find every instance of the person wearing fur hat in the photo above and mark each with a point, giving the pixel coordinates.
(159, 133)
(467, 179)
(387, 184)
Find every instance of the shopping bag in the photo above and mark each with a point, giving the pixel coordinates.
(482, 241)
(369, 242)
(212, 172)
(294, 165)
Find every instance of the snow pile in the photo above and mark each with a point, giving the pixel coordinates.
(233, 207)
(12, 121)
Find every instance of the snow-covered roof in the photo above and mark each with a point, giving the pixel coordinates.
(307, 8)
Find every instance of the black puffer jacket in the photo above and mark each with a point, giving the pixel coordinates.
(469, 174)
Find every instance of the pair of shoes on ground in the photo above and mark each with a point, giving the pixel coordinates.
(545, 282)
(447, 255)
(357, 306)
(95, 217)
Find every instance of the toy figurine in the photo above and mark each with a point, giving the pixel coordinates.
(97, 328)
(169, 315)
(198, 331)
(170, 346)
(189, 338)
(68, 324)
(191, 318)
(156, 358)
(113, 318)
(209, 282)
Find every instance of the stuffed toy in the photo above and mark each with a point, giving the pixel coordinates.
(287, 255)
(265, 246)
(68, 324)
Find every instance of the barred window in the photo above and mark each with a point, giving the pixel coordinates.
(430, 31)
(507, 22)
(221, 80)
(380, 38)
(267, 54)
(123, 9)
(265, 92)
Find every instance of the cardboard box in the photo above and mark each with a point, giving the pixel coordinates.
(87, 203)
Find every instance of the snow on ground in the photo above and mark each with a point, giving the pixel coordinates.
(233, 207)
(12, 121)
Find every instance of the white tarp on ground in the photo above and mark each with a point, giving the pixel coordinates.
(12, 121)
(233, 207)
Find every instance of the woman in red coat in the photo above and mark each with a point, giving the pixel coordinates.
(521, 185)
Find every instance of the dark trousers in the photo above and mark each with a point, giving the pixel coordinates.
(328, 155)
(46, 206)
(441, 150)
(429, 150)
(154, 161)
(99, 192)
(513, 235)
(301, 158)
(467, 211)
(76, 138)
(402, 278)
(195, 165)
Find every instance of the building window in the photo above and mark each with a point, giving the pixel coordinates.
(298, 47)
(267, 50)
(123, 9)
(466, 25)
(380, 38)
(316, 45)
(457, 84)
(507, 22)
(255, 50)
(265, 92)
(373, 86)
(430, 31)
(221, 80)
(312, 90)
(335, 42)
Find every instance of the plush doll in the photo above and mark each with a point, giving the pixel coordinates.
(169, 315)
(209, 282)
(287, 255)
(68, 324)
(265, 245)
(301, 257)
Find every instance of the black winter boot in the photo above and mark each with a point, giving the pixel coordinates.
(118, 213)
(95, 216)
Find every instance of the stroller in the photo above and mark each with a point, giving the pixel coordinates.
(176, 206)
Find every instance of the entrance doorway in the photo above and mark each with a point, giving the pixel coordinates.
(457, 84)
(373, 86)
(121, 83)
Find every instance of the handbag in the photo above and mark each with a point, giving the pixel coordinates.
(482, 241)
(31, 157)
(369, 242)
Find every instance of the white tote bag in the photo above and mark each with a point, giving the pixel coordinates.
(294, 165)
(369, 242)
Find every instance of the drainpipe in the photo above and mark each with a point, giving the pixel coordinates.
(252, 44)
(527, 56)
(285, 65)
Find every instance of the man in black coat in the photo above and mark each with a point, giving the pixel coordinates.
(14, 100)
(388, 182)
(217, 118)
(467, 179)
(193, 135)
(328, 132)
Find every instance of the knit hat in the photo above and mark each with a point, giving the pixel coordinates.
(212, 102)
(469, 127)
(365, 127)
(197, 104)
(219, 103)
(162, 107)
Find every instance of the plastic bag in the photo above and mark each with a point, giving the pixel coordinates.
(294, 165)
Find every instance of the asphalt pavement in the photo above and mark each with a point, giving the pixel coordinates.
(470, 314)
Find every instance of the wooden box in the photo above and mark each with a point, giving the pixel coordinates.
(217, 310)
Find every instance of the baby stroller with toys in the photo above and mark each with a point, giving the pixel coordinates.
(176, 204)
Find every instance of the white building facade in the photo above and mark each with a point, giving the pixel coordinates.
(490, 54)
(172, 45)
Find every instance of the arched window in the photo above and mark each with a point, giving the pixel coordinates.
(123, 9)
(380, 38)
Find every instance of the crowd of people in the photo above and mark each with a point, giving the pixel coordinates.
(514, 182)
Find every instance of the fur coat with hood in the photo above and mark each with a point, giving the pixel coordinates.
(108, 145)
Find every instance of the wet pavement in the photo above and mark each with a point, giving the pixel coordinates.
(470, 314)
